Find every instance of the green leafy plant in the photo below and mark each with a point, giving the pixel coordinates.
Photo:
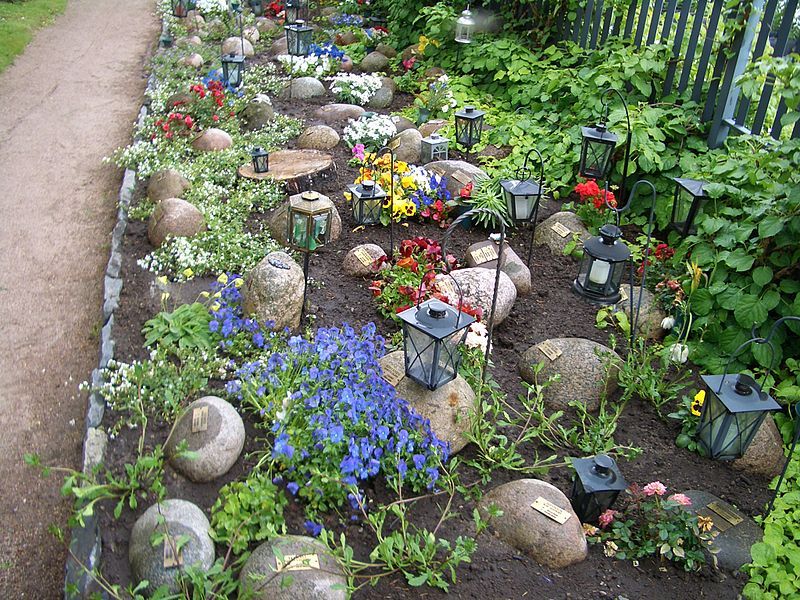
(688, 414)
(185, 327)
(647, 373)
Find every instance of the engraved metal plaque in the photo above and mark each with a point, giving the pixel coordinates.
(549, 349)
(200, 419)
(550, 510)
(561, 229)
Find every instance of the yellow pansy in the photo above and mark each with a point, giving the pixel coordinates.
(215, 307)
(223, 279)
(188, 273)
(697, 403)
(407, 182)
(204, 294)
(238, 282)
(162, 280)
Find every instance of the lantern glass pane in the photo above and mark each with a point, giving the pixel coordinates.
(431, 362)
(600, 279)
(595, 159)
(367, 211)
(299, 230)
(439, 152)
(261, 163)
(723, 435)
(462, 131)
(464, 32)
(476, 129)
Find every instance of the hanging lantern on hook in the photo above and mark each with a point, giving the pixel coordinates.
(523, 194)
(689, 198)
(465, 27)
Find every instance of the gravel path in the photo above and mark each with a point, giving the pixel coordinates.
(69, 100)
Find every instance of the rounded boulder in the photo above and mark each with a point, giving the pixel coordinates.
(212, 140)
(407, 145)
(354, 266)
(174, 217)
(318, 137)
(273, 291)
(237, 45)
(477, 287)
(167, 183)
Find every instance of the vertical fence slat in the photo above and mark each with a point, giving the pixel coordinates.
(776, 124)
(651, 37)
(598, 16)
(713, 87)
(607, 24)
(669, 15)
(796, 130)
(688, 60)
(576, 31)
(676, 46)
(587, 21)
(758, 51)
(630, 19)
(705, 57)
(642, 22)
(617, 24)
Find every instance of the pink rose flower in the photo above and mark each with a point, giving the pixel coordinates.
(607, 518)
(681, 499)
(654, 488)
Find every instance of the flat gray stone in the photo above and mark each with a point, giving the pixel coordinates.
(386, 50)
(174, 217)
(338, 113)
(94, 449)
(298, 579)
(732, 546)
(384, 97)
(447, 408)
(458, 174)
(303, 88)
(354, 267)
(273, 291)
(318, 137)
(176, 518)
(216, 448)
(650, 313)
(477, 287)
(764, 456)
(546, 541)
(407, 145)
(582, 367)
(546, 236)
(510, 263)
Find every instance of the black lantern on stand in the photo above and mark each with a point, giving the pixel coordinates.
(689, 198)
(523, 196)
(257, 6)
(596, 485)
(260, 159)
(434, 147)
(295, 10)
(180, 8)
(367, 199)
(469, 127)
(298, 38)
(598, 144)
(233, 69)
(603, 264)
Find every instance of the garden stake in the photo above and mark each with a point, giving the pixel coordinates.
(384, 150)
(306, 261)
(446, 238)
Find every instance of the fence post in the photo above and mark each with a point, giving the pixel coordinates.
(729, 92)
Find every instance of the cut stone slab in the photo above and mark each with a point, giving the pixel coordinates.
(477, 287)
(286, 165)
(257, 113)
(216, 448)
(338, 113)
(303, 88)
(764, 456)
(277, 224)
(318, 137)
(551, 544)
(547, 236)
(352, 264)
(374, 62)
(582, 367)
(432, 126)
(384, 97)
(308, 572)
(650, 313)
(447, 408)
(237, 45)
(732, 545)
(212, 140)
(174, 217)
(458, 174)
(167, 183)
(407, 145)
(273, 291)
(511, 264)
(180, 518)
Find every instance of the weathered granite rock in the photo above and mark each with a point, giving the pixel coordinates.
(410, 52)
(318, 137)
(458, 173)
(338, 113)
(194, 22)
(546, 541)
(384, 97)
(278, 47)
(276, 223)
(477, 286)
(586, 369)
(650, 313)
(179, 99)
(407, 145)
(175, 519)
(191, 40)
(303, 579)
(237, 45)
(273, 291)
(212, 140)
(303, 88)
(257, 113)
(402, 124)
(174, 217)
(432, 126)
(216, 448)
(764, 456)
(545, 235)
(447, 408)
(251, 34)
(345, 38)
(732, 546)
(386, 50)
(510, 263)
(432, 73)
(265, 25)
(374, 62)
(193, 60)
(353, 266)
(94, 449)
(167, 183)
(347, 64)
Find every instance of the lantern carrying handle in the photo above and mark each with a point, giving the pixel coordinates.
(755, 339)
(460, 292)
(384, 150)
(524, 172)
(605, 99)
(795, 437)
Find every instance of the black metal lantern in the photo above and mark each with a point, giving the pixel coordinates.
(434, 147)
(465, 27)
(596, 151)
(596, 485)
(432, 332)
(180, 8)
(733, 411)
(309, 221)
(367, 200)
(292, 11)
(166, 39)
(523, 194)
(233, 69)
(602, 266)
(257, 6)
(689, 198)
(298, 38)
(469, 127)
(260, 159)
(236, 5)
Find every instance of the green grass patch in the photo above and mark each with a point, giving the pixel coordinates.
(18, 22)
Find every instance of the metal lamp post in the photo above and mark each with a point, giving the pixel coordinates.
(367, 200)
(523, 196)
(597, 483)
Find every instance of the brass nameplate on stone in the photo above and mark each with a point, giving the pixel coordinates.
(171, 559)
(550, 510)
(364, 257)
(393, 374)
(561, 229)
(446, 287)
(549, 350)
(726, 512)
(484, 254)
(462, 177)
(623, 295)
(297, 562)
(393, 145)
(200, 419)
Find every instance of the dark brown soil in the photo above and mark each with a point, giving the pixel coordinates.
(551, 310)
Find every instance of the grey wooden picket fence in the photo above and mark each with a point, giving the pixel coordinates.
(704, 59)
